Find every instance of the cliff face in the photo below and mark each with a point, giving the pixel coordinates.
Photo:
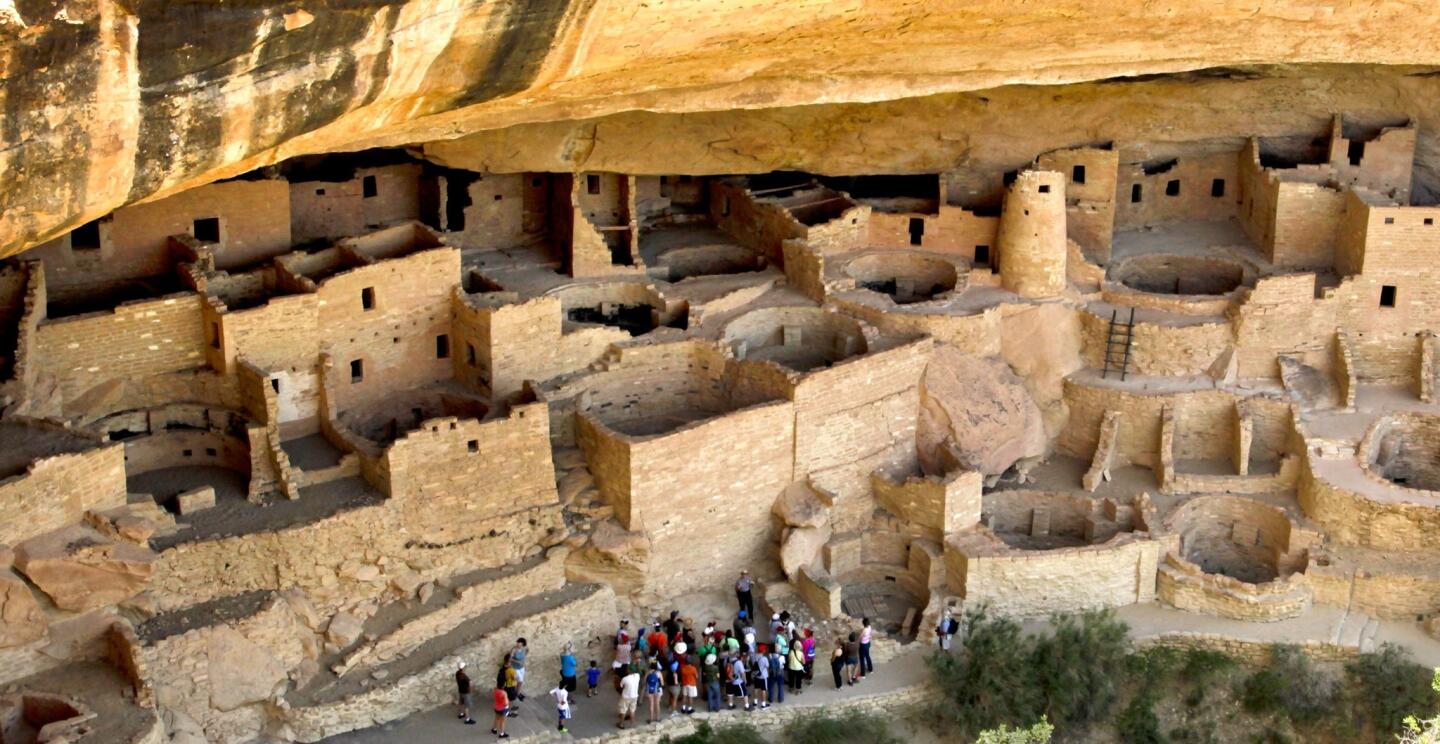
(106, 102)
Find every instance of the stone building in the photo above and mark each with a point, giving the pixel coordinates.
(265, 439)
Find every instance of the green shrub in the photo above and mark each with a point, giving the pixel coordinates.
(1038, 733)
(730, 733)
(853, 727)
(989, 680)
(1292, 686)
(1203, 665)
(1137, 723)
(1388, 687)
(1079, 665)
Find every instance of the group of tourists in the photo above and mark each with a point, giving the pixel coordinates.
(750, 665)
(669, 666)
(508, 690)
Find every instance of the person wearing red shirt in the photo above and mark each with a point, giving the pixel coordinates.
(502, 711)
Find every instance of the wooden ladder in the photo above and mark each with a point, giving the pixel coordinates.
(1117, 344)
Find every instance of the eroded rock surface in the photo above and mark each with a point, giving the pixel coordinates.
(980, 409)
(81, 569)
(111, 102)
(21, 619)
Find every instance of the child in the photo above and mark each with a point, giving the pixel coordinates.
(502, 711)
(562, 706)
(592, 679)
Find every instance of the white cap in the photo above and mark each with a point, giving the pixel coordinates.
(680, 647)
(776, 616)
(709, 658)
(462, 663)
(749, 637)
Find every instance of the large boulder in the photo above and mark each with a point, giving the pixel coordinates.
(241, 671)
(21, 619)
(1042, 344)
(799, 506)
(81, 569)
(801, 547)
(613, 556)
(978, 410)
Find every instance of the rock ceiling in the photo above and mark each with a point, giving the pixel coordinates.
(107, 102)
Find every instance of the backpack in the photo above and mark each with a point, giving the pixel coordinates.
(952, 626)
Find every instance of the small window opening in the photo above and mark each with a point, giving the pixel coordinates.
(982, 255)
(1077, 174)
(319, 192)
(470, 354)
(369, 187)
(207, 229)
(1429, 221)
(592, 184)
(535, 183)
(1044, 188)
(473, 445)
(1356, 152)
(498, 197)
(442, 346)
(1172, 187)
(86, 237)
(214, 335)
(1135, 194)
(357, 370)
(1217, 187)
(1389, 220)
(367, 298)
(211, 451)
(917, 230)
(187, 453)
(1387, 296)
(725, 206)
(275, 384)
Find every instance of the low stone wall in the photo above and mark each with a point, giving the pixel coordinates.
(1119, 572)
(575, 621)
(772, 721)
(321, 557)
(1404, 519)
(1183, 585)
(222, 675)
(1253, 653)
(470, 601)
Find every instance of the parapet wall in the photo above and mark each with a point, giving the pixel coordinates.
(1119, 572)
(57, 491)
(453, 473)
(314, 556)
(135, 340)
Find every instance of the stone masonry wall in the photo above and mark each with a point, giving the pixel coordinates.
(57, 491)
(453, 474)
(135, 340)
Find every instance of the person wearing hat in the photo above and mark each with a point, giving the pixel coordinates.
(622, 643)
(462, 686)
(743, 594)
(710, 677)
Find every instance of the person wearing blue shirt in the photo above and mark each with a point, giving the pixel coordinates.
(567, 669)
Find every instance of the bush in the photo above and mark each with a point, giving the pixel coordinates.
(1292, 685)
(854, 727)
(1038, 733)
(1388, 688)
(1079, 666)
(989, 680)
(733, 733)
(1138, 724)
